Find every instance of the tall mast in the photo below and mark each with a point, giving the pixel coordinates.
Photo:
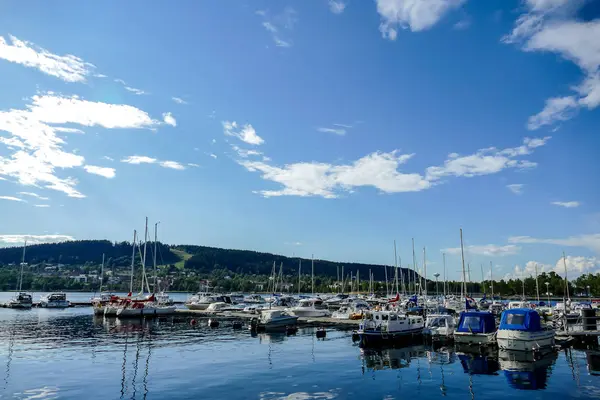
(566, 277)
(337, 270)
(396, 265)
(22, 266)
(482, 280)
(425, 271)
(537, 288)
(132, 262)
(370, 282)
(414, 263)
(155, 250)
(387, 288)
(299, 274)
(444, 258)
(144, 260)
(312, 273)
(357, 281)
(342, 279)
(492, 279)
(462, 255)
(102, 273)
(523, 280)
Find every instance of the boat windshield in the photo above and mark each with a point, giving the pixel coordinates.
(438, 323)
(471, 322)
(515, 319)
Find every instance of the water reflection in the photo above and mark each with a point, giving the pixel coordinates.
(526, 371)
(391, 358)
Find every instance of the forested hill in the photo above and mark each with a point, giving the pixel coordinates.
(205, 259)
(80, 252)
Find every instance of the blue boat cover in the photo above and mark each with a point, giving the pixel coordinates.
(521, 319)
(476, 322)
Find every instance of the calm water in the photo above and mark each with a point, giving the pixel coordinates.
(69, 354)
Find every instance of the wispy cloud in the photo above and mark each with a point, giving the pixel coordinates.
(516, 188)
(42, 205)
(337, 6)
(567, 204)
(149, 160)
(279, 25)
(463, 24)
(11, 198)
(337, 131)
(108, 158)
(489, 250)
(487, 161)
(245, 133)
(31, 194)
(169, 119)
(193, 165)
(33, 239)
(213, 155)
(293, 243)
(591, 241)
(179, 100)
(40, 149)
(245, 153)
(69, 68)
(550, 26)
(416, 15)
(133, 90)
(102, 171)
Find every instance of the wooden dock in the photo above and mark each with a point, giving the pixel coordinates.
(302, 321)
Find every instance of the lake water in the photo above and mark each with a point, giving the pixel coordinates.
(70, 354)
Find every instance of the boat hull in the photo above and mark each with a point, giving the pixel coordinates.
(374, 338)
(110, 311)
(54, 304)
(197, 306)
(310, 313)
(144, 312)
(20, 306)
(525, 341)
(475, 338)
(279, 323)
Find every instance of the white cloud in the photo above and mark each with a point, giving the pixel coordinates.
(245, 153)
(31, 194)
(102, 171)
(245, 133)
(11, 198)
(179, 100)
(417, 15)
(379, 170)
(42, 205)
(293, 243)
(149, 160)
(516, 188)
(486, 161)
(135, 91)
(337, 6)
(41, 152)
(33, 239)
(213, 155)
(279, 26)
(193, 165)
(577, 265)
(69, 68)
(590, 241)
(490, 250)
(108, 158)
(338, 131)
(550, 26)
(463, 24)
(567, 204)
(169, 119)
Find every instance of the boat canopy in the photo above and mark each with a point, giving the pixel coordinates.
(521, 319)
(476, 322)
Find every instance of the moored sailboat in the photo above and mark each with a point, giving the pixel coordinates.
(21, 300)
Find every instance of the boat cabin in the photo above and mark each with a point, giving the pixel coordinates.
(521, 319)
(390, 321)
(476, 322)
(518, 304)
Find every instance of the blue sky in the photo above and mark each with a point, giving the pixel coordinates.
(316, 127)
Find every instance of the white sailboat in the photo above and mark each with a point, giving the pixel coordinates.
(110, 309)
(22, 300)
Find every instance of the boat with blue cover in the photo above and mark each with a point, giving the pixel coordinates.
(476, 328)
(521, 330)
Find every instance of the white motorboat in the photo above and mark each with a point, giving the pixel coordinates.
(518, 304)
(476, 328)
(273, 319)
(203, 302)
(335, 301)
(439, 326)
(496, 307)
(254, 299)
(310, 308)
(383, 326)
(21, 300)
(54, 300)
(219, 306)
(352, 311)
(521, 330)
(255, 308)
(163, 299)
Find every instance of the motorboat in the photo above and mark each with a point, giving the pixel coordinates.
(254, 299)
(272, 319)
(384, 326)
(54, 300)
(521, 330)
(310, 308)
(236, 297)
(353, 311)
(336, 300)
(219, 306)
(439, 326)
(21, 300)
(203, 302)
(496, 307)
(476, 328)
(518, 304)
(284, 301)
(163, 299)
(255, 308)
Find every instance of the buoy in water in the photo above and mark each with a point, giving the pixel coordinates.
(321, 333)
(193, 322)
(237, 324)
(213, 323)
